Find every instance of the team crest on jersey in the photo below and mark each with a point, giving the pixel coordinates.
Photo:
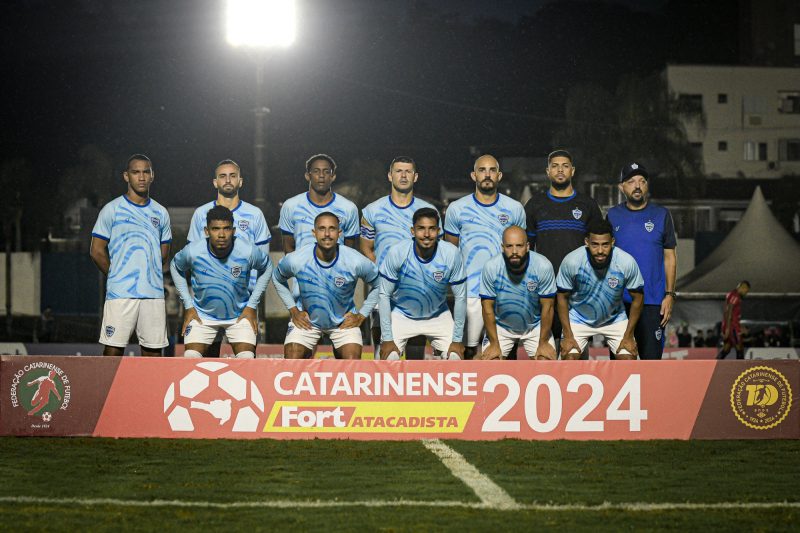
(649, 226)
(503, 218)
(613, 282)
(244, 224)
(438, 276)
(532, 286)
(110, 331)
(338, 281)
(236, 271)
(576, 213)
(155, 221)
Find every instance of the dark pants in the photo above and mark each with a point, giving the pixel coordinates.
(649, 334)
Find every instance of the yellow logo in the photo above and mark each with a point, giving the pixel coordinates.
(761, 397)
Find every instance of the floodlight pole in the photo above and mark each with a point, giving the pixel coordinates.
(259, 141)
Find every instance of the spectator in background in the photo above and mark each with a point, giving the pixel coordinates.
(699, 339)
(712, 339)
(684, 337)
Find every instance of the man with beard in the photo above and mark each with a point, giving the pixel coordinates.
(475, 223)
(517, 293)
(590, 284)
(299, 212)
(645, 230)
(557, 219)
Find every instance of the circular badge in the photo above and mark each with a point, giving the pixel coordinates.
(761, 397)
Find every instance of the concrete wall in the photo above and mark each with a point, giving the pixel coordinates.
(25, 286)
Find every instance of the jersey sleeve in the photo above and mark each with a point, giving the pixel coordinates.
(458, 275)
(594, 211)
(286, 223)
(280, 277)
(351, 227)
(633, 276)
(179, 267)
(166, 228)
(102, 228)
(452, 224)
(565, 281)
(519, 218)
(196, 227)
(669, 231)
(530, 222)
(367, 224)
(367, 270)
(261, 233)
(487, 290)
(390, 268)
(547, 280)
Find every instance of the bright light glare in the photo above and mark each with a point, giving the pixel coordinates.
(261, 23)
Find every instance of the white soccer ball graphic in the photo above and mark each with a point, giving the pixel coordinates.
(210, 389)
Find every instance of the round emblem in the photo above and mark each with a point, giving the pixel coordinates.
(761, 397)
(613, 282)
(532, 286)
(503, 218)
(43, 390)
(244, 224)
(338, 281)
(438, 276)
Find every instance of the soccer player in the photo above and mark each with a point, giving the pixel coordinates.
(557, 219)
(731, 326)
(590, 284)
(645, 230)
(130, 245)
(475, 223)
(518, 290)
(413, 292)
(220, 268)
(326, 274)
(299, 212)
(386, 221)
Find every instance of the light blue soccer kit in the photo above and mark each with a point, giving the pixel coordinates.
(389, 224)
(413, 295)
(326, 292)
(479, 228)
(134, 234)
(595, 301)
(298, 214)
(517, 305)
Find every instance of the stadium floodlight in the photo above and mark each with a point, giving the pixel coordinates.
(260, 23)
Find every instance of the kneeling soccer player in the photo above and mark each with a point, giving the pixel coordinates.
(413, 295)
(220, 268)
(326, 275)
(590, 284)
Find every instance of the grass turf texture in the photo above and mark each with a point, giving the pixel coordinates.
(557, 472)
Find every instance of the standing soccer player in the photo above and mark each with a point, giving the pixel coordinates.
(518, 289)
(475, 223)
(130, 245)
(590, 284)
(299, 212)
(413, 292)
(645, 230)
(326, 275)
(386, 221)
(731, 326)
(557, 219)
(220, 269)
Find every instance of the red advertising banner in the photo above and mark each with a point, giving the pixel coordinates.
(378, 400)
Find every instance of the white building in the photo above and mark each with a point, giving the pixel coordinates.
(752, 118)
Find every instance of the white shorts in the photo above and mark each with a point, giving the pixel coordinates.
(530, 339)
(612, 332)
(438, 329)
(474, 326)
(205, 333)
(310, 337)
(121, 316)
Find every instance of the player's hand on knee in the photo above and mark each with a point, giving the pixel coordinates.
(352, 320)
(570, 348)
(188, 316)
(627, 349)
(545, 351)
(251, 316)
(456, 347)
(491, 351)
(387, 347)
(300, 318)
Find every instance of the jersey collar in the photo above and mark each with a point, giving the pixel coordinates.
(400, 206)
(421, 260)
(475, 198)
(561, 200)
(235, 208)
(137, 205)
(314, 253)
(220, 258)
(333, 198)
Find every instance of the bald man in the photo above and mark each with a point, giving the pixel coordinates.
(475, 223)
(518, 290)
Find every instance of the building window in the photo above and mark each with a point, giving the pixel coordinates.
(722, 98)
(789, 149)
(789, 101)
(690, 103)
(755, 151)
(722, 146)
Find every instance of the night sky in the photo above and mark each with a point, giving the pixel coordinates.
(366, 80)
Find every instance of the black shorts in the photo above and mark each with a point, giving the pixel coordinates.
(649, 334)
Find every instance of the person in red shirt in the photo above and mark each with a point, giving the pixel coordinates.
(731, 327)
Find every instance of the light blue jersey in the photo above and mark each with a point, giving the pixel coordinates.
(220, 284)
(134, 234)
(480, 228)
(418, 289)
(516, 298)
(326, 290)
(388, 224)
(248, 223)
(596, 297)
(298, 214)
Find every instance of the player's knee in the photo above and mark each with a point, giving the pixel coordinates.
(245, 355)
(192, 354)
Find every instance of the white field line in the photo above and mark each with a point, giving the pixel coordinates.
(319, 504)
(490, 493)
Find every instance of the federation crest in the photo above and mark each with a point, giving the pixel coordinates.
(761, 397)
(155, 221)
(110, 331)
(438, 276)
(244, 224)
(576, 213)
(338, 281)
(613, 282)
(532, 286)
(236, 271)
(41, 389)
(649, 226)
(503, 218)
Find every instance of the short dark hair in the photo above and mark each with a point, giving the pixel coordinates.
(227, 162)
(403, 159)
(599, 226)
(745, 282)
(323, 157)
(559, 153)
(219, 213)
(326, 214)
(137, 157)
(425, 212)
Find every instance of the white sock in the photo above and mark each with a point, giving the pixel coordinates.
(192, 354)
(245, 355)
